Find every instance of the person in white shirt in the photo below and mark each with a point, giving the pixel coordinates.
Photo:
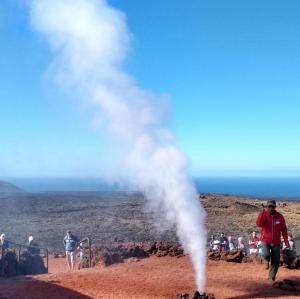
(241, 244)
(231, 245)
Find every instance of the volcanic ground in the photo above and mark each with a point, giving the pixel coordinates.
(104, 216)
(154, 277)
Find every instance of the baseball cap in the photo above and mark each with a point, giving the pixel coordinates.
(271, 203)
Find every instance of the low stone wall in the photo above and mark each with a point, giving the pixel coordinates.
(118, 252)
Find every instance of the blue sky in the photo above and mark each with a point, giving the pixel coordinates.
(231, 69)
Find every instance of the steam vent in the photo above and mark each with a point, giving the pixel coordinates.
(196, 295)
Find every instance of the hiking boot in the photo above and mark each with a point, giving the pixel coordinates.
(267, 265)
(271, 281)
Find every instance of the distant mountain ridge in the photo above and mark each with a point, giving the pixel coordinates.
(7, 189)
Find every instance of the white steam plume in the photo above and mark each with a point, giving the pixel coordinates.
(90, 40)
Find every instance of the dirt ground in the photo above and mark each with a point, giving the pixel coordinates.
(148, 278)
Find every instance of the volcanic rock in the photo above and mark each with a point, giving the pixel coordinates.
(196, 295)
(214, 255)
(286, 285)
(234, 256)
(161, 253)
(164, 248)
(117, 252)
(183, 296)
(150, 247)
(288, 257)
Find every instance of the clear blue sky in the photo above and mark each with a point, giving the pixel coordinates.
(231, 68)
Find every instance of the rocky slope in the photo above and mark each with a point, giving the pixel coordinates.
(103, 216)
(236, 215)
(7, 189)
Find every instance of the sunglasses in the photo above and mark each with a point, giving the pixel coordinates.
(271, 207)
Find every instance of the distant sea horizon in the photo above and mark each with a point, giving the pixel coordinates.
(262, 187)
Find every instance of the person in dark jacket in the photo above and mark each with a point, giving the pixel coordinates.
(223, 242)
(70, 243)
(33, 246)
(272, 226)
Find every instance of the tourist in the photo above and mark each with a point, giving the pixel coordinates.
(259, 249)
(211, 242)
(241, 245)
(214, 244)
(82, 253)
(223, 242)
(70, 243)
(253, 243)
(272, 225)
(3, 243)
(231, 245)
(292, 242)
(289, 254)
(33, 247)
(282, 243)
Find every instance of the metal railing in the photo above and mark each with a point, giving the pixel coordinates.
(20, 252)
(87, 248)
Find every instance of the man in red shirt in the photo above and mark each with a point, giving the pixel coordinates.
(272, 225)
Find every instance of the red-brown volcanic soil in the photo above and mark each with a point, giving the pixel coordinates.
(148, 278)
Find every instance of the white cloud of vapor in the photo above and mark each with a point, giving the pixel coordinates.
(90, 40)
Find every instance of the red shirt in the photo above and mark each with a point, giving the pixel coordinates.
(272, 226)
(253, 240)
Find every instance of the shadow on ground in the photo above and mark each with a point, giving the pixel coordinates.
(30, 288)
(268, 291)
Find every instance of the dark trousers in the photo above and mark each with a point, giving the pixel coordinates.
(271, 252)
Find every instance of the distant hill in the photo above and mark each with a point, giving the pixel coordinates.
(7, 189)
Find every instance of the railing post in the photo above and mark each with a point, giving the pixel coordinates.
(90, 254)
(17, 250)
(2, 261)
(47, 260)
(19, 254)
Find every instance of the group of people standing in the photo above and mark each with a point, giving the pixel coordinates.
(71, 244)
(253, 246)
(32, 246)
(224, 243)
(272, 241)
